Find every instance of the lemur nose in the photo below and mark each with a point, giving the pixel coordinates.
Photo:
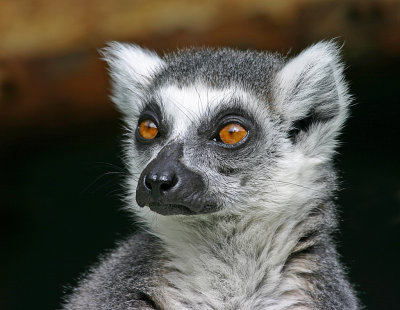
(167, 186)
(158, 184)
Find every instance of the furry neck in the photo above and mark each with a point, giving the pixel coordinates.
(219, 260)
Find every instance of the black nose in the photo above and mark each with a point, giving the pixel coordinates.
(160, 183)
(167, 186)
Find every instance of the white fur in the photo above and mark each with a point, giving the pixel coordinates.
(238, 265)
(266, 238)
(188, 105)
(216, 263)
(131, 70)
(313, 76)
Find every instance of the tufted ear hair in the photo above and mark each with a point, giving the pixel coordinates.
(311, 96)
(131, 69)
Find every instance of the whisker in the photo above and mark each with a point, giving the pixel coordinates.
(191, 117)
(116, 173)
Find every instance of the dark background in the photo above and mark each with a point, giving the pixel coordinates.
(60, 166)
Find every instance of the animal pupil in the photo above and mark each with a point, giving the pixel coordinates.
(148, 130)
(232, 133)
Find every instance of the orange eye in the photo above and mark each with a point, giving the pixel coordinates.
(148, 130)
(232, 133)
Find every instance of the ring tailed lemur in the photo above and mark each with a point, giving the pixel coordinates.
(230, 160)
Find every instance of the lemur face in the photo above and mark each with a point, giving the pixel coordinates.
(226, 130)
(204, 149)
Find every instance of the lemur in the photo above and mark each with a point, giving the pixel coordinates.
(229, 156)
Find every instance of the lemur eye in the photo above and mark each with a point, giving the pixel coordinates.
(148, 130)
(232, 133)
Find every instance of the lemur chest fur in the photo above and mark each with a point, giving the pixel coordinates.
(233, 265)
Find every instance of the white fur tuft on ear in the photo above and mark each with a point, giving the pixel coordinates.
(312, 98)
(131, 70)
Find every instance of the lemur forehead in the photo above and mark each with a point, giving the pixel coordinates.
(188, 104)
(221, 67)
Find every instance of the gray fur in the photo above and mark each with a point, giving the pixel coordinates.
(220, 68)
(267, 243)
(122, 279)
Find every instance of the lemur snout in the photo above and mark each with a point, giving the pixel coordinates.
(169, 187)
(159, 180)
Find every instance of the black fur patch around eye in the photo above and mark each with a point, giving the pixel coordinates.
(154, 107)
(153, 111)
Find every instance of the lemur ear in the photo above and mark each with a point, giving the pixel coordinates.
(312, 98)
(131, 69)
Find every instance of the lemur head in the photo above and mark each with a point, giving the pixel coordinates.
(228, 131)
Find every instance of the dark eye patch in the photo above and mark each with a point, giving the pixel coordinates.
(231, 112)
(152, 111)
